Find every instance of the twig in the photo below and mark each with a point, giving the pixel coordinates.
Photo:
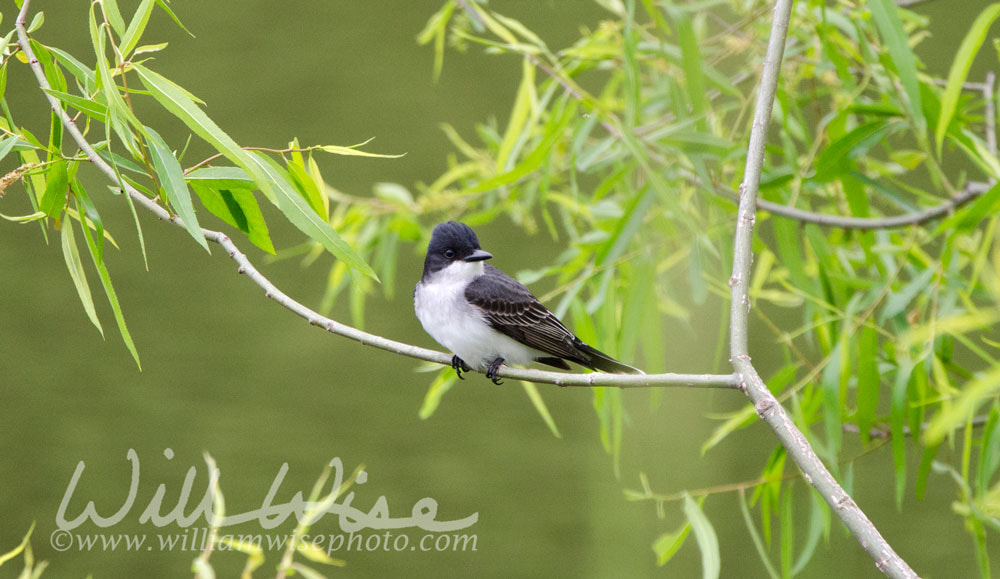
(972, 191)
(769, 409)
(271, 291)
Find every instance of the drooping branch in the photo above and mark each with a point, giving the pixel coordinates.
(971, 192)
(769, 409)
(271, 291)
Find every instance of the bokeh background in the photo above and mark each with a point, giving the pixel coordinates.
(228, 372)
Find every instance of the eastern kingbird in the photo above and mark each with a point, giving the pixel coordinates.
(486, 318)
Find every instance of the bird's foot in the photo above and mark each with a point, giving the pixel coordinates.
(491, 371)
(460, 366)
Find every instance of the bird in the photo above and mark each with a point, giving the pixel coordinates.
(487, 318)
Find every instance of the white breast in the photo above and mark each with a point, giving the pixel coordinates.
(448, 317)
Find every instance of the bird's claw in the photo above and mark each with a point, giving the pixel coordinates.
(491, 371)
(460, 366)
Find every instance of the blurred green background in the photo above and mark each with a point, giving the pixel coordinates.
(231, 373)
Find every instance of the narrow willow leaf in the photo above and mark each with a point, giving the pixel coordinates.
(307, 187)
(926, 462)
(523, 108)
(441, 384)
(114, 15)
(897, 419)
(539, 403)
(757, 542)
(172, 180)
(136, 27)
(787, 531)
(899, 300)
(238, 208)
(832, 377)
(960, 67)
(436, 29)
(971, 396)
(82, 73)
(56, 188)
(353, 152)
(4, 557)
(818, 520)
(868, 380)
(71, 255)
(89, 107)
(221, 177)
(270, 177)
(828, 163)
(693, 64)
(666, 545)
(886, 17)
(36, 216)
(166, 8)
(6, 145)
(972, 215)
(109, 289)
(711, 560)
(989, 452)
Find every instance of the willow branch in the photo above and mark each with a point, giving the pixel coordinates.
(244, 266)
(971, 192)
(769, 409)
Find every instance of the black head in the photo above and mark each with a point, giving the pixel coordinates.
(451, 242)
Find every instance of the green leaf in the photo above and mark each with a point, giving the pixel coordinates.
(56, 188)
(238, 208)
(441, 384)
(787, 531)
(960, 67)
(89, 107)
(4, 557)
(221, 178)
(71, 254)
(109, 289)
(352, 151)
(868, 380)
(666, 545)
(136, 27)
(524, 104)
(971, 396)
(819, 519)
(828, 164)
(987, 204)
(114, 15)
(886, 17)
(989, 452)
(268, 175)
(897, 417)
(705, 535)
(6, 145)
(898, 301)
(174, 187)
(81, 72)
(536, 400)
(755, 535)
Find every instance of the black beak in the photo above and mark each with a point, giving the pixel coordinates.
(479, 255)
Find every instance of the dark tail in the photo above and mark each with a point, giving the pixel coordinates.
(597, 360)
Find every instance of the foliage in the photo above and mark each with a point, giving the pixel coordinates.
(626, 148)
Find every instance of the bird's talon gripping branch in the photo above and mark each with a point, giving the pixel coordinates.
(460, 366)
(491, 371)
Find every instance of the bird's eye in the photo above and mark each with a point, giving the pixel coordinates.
(449, 253)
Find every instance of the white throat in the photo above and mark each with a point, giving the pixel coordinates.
(458, 272)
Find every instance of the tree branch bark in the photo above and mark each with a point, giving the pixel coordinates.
(271, 291)
(769, 409)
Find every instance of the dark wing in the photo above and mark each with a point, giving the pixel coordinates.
(511, 309)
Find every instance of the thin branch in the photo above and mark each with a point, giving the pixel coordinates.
(769, 409)
(971, 192)
(271, 291)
